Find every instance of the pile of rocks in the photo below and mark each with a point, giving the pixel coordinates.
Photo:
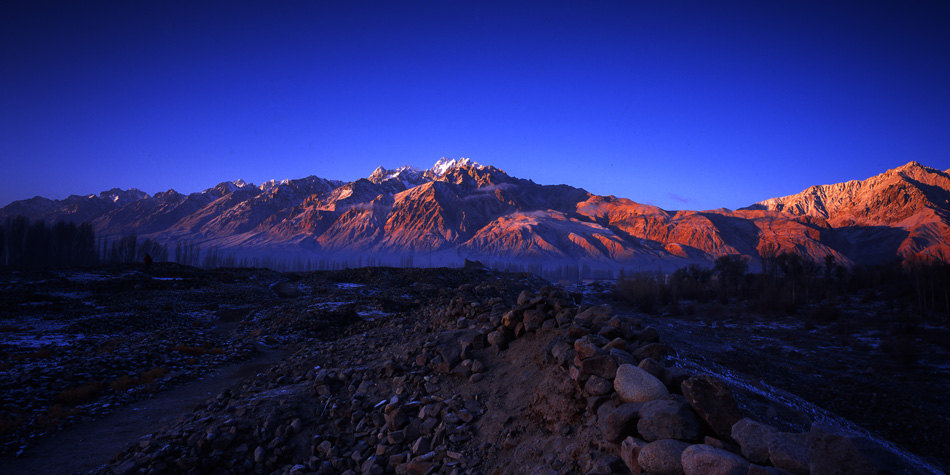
(47, 389)
(413, 395)
(658, 419)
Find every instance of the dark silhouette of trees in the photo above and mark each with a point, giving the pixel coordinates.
(25, 245)
(730, 269)
(187, 253)
(690, 283)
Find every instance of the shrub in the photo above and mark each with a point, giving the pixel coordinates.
(198, 350)
(826, 314)
(126, 382)
(122, 383)
(40, 354)
(902, 348)
(80, 394)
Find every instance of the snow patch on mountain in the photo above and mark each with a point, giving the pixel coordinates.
(408, 175)
(121, 197)
(445, 164)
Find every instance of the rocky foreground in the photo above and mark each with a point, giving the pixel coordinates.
(420, 371)
(409, 371)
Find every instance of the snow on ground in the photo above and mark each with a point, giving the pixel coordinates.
(370, 315)
(347, 285)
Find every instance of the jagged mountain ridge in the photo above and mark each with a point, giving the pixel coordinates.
(907, 207)
(459, 208)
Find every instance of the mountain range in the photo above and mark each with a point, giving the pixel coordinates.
(459, 208)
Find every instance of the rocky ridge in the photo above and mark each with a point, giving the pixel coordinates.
(487, 378)
(459, 208)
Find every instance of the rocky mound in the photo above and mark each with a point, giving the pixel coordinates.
(484, 379)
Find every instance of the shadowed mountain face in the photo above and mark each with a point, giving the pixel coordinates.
(459, 208)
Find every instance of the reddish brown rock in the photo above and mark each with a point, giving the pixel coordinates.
(753, 438)
(663, 457)
(706, 460)
(713, 403)
(667, 419)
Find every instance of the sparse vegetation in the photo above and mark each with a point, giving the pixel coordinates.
(198, 350)
(80, 394)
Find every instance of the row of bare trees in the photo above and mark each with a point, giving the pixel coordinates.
(789, 281)
(36, 245)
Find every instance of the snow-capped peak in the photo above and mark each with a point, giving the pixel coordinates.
(408, 175)
(271, 184)
(445, 164)
(121, 197)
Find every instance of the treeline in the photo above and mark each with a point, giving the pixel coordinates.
(789, 282)
(131, 249)
(36, 245)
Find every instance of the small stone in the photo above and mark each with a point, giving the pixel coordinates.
(597, 386)
(497, 339)
(478, 366)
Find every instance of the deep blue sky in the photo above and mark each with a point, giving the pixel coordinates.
(685, 105)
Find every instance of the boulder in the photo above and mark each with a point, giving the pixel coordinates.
(713, 403)
(636, 385)
(597, 386)
(705, 460)
(663, 457)
(753, 438)
(602, 365)
(590, 345)
(667, 419)
(649, 335)
(497, 339)
(789, 451)
(622, 357)
(651, 366)
(835, 451)
(596, 311)
(653, 350)
(673, 378)
(602, 462)
(630, 454)
(622, 421)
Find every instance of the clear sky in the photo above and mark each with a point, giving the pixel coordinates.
(681, 104)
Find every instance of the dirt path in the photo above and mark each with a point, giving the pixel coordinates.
(84, 447)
